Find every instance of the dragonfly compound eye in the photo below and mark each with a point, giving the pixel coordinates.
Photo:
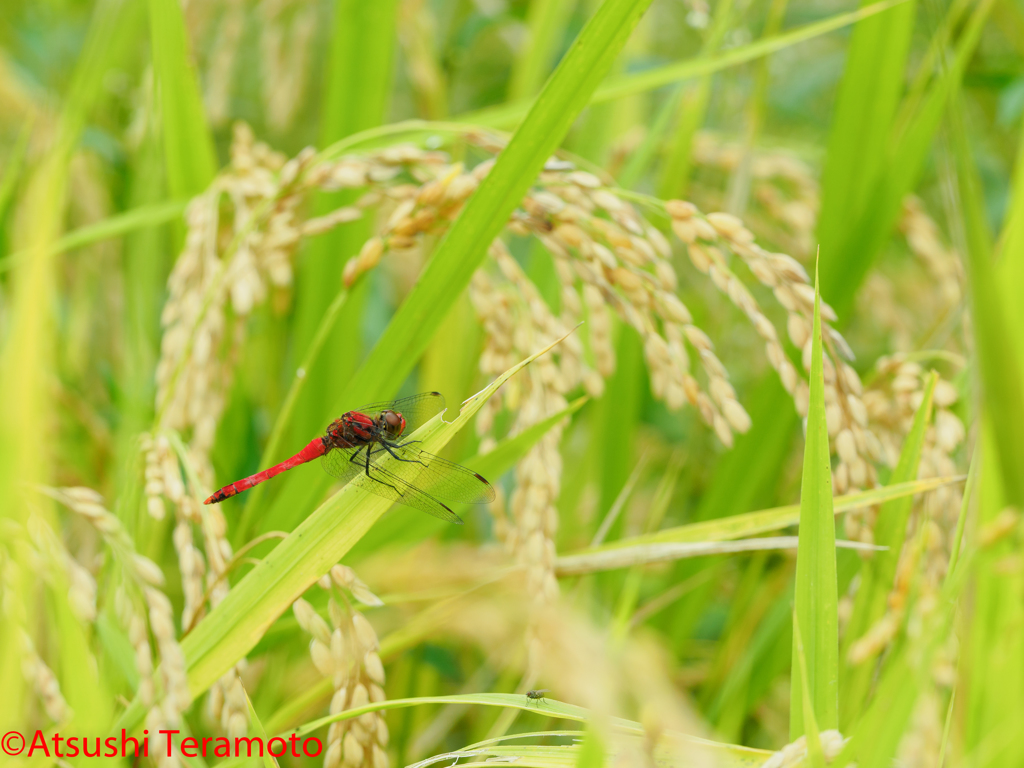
(394, 422)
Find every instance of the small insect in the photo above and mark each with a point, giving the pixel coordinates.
(537, 696)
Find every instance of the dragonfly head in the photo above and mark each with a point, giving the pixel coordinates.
(393, 422)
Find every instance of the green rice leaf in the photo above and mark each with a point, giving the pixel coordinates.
(1001, 373)
(617, 413)
(862, 121)
(627, 85)
(815, 757)
(645, 554)
(878, 573)
(909, 147)
(508, 452)
(591, 752)
(731, 754)
(877, 735)
(1010, 261)
(359, 69)
(630, 592)
(12, 170)
(961, 521)
(188, 146)
(27, 375)
(763, 521)
(815, 597)
(692, 110)
(120, 224)
(545, 22)
(255, 725)
(994, 638)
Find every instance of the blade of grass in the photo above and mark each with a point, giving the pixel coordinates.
(737, 687)
(692, 110)
(508, 452)
(269, 761)
(630, 592)
(549, 707)
(484, 216)
(359, 69)
(545, 23)
(591, 753)
(763, 521)
(508, 115)
(617, 413)
(907, 153)
(878, 733)
(932, 61)
(995, 639)
(125, 223)
(191, 162)
(815, 596)
(815, 757)
(944, 744)
(1010, 262)
(745, 477)
(481, 220)
(862, 121)
(642, 157)
(27, 370)
(12, 171)
(646, 554)
(451, 362)
(998, 363)
(146, 259)
(991, 664)
(991, 660)
(741, 179)
(620, 501)
(961, 521)
(878, 573)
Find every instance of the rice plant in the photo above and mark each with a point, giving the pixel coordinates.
(722, 299)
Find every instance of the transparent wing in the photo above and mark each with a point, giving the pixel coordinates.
(438, 477)
(415, 478)
(344, 463)
(384, 483)
(417, 409)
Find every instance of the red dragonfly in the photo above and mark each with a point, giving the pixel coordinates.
(355, 445)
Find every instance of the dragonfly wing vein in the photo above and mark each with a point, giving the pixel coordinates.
(416, 410)
(436, 476)
(390, 486)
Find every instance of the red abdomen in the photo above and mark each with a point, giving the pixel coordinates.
(313, 450)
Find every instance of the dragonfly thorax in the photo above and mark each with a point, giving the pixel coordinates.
(356, 428)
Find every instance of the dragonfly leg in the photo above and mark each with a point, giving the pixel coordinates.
(399, 458)
(355, 455)
(389, 485)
